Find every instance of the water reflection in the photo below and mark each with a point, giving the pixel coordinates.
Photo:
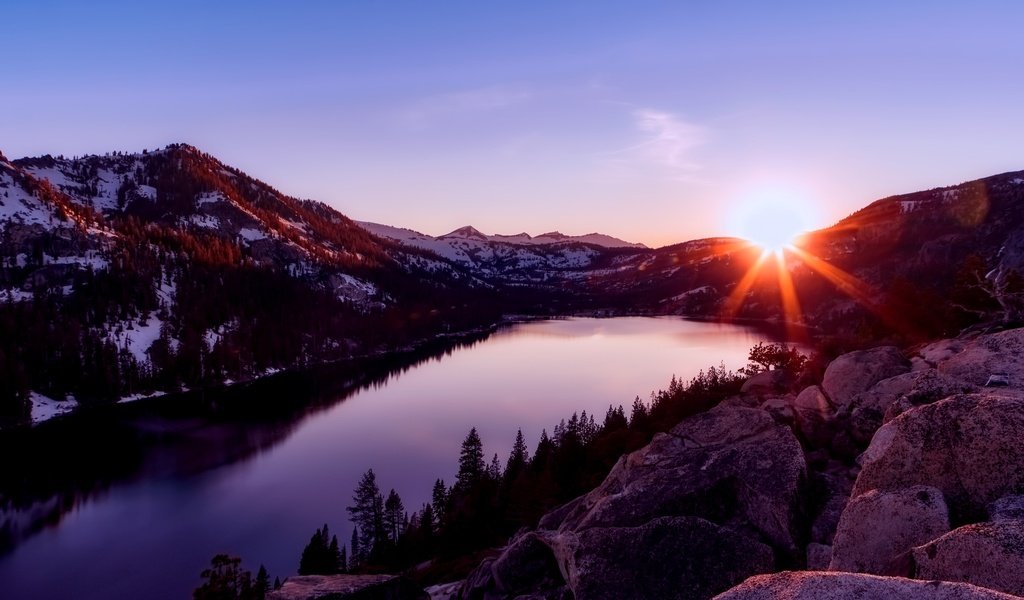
(150, 492)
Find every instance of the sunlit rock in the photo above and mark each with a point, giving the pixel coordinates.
(817, 585)
(987, 554)
(855, 372)
(878, 527)
(967, 446)
(345, 587)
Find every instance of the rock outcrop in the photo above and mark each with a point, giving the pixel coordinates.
(856, 372)
(906, 469)
(699, 509)
(877, 528)
(847, 586)
(967, 446)
(347, 587)
(729, 465)
(666, 558)
(990, 555)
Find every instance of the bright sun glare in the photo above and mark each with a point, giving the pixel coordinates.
(772, 224)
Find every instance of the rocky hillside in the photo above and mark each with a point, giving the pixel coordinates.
(893, 476)
(130, 274)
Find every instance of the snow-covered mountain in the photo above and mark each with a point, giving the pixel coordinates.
(131, 273)
(520, 239)
(521, 258)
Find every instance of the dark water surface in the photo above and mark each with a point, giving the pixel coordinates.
(141, 498)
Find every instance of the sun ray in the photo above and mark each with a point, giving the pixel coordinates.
(739, 294)
(790, 301)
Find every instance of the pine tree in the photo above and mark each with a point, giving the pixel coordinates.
(394, 510)
(518, 458)
(356, 555)
(262, 585)
(320, 557)
(494, 469)
(439, 502)
(333, 558)
(471, 461)
(367, 513)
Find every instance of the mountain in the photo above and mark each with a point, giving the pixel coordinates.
(548, 259)
(128, 274)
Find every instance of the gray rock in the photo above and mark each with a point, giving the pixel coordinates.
(779, 407)
(972, 361)
(728, 465)
(868, 409)
(989, 555)
(967, 446)
(347, 587)
(1007, 508)
(527, 564)
(670, 557)
(856, 372)
(877, 528)
(480, 584)
(445, 591)
(766, 382)
(818, 557)
(817, 585)
(814, 414)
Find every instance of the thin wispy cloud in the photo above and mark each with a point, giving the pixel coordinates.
(454, 104)
(665, 147)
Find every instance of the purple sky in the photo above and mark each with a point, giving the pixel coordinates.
(655, 122)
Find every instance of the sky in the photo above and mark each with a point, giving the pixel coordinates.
(655, 122)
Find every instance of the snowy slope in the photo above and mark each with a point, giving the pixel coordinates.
(518, 258)
(416, 238)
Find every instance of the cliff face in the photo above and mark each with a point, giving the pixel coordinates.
(893, 468)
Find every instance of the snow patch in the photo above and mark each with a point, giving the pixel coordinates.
(45, 408)
(251, 235)
(908, 206)
(207, 221)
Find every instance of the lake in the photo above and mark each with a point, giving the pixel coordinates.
(165, 492)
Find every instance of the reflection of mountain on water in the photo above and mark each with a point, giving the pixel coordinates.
(50, 469)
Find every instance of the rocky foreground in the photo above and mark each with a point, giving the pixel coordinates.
(894, 477)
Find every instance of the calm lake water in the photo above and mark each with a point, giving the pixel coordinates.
(150, 529)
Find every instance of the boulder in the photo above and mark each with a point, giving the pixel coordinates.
(728, 465)
(779, 407)
(817, 585)
(818, 557)
(990, 555)
(766, 382)
(669, 557)
(527, 564)
(1007, 508)
(967, 446)
(855, 372)
(347, 587)
(445, 591)
(480, 584)
(814, 414)
(878, 528)
(973, 361)
(868, 409)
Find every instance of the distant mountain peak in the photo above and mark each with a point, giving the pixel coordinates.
(468, 232)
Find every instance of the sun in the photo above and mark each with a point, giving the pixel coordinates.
(772, 222)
